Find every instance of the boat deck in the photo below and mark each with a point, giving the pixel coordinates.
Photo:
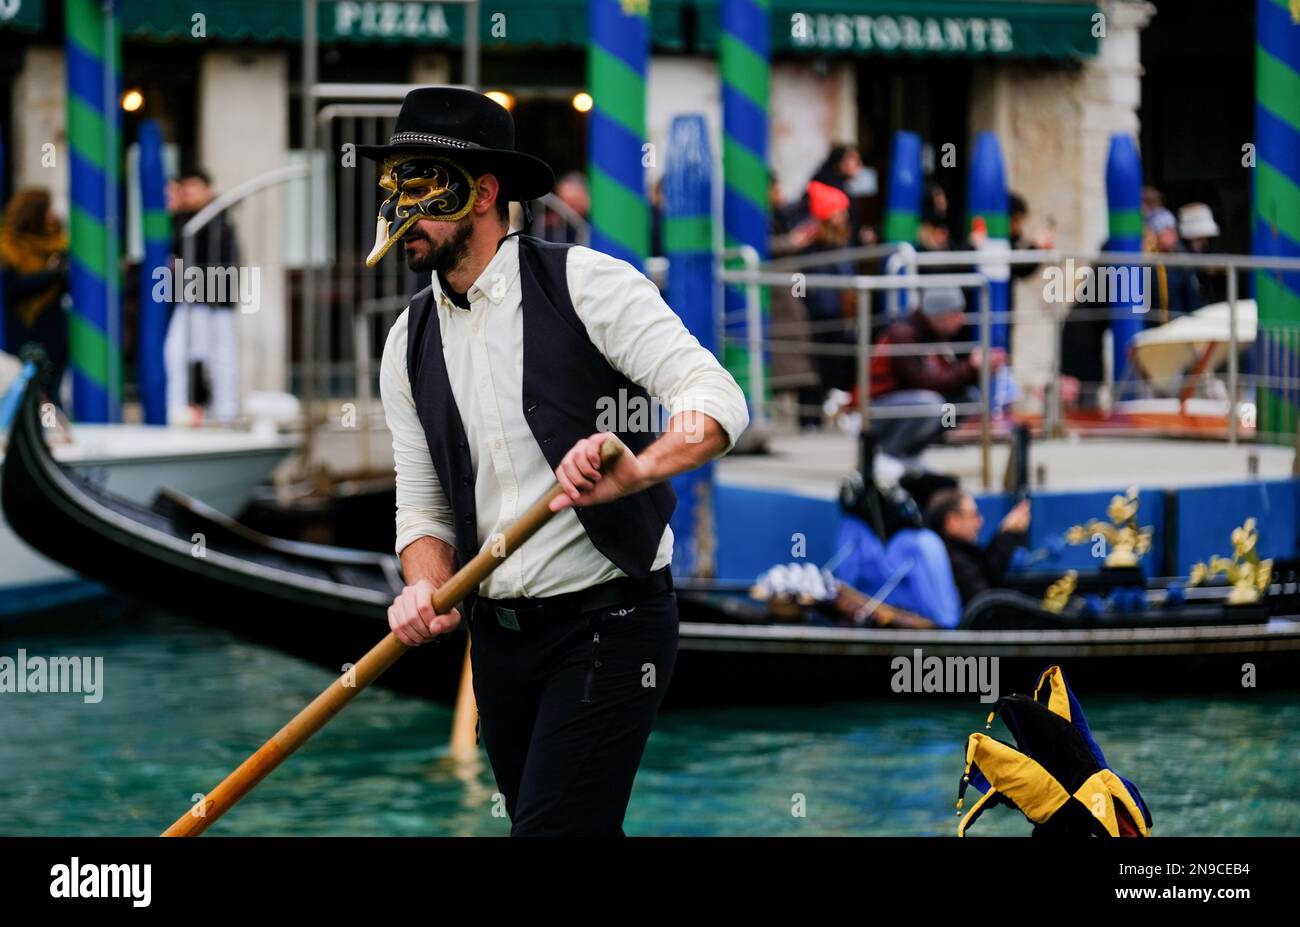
(813, 464)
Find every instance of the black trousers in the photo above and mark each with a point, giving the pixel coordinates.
(566, 708)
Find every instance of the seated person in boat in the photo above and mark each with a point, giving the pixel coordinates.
(924, 380)
(953, 515)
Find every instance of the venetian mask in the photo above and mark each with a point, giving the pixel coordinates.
(419, 187)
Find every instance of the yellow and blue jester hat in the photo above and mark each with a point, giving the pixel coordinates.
(1056, 774)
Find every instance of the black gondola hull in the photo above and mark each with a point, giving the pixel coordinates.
(329, 606)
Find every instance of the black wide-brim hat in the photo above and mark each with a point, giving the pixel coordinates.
(471, 129)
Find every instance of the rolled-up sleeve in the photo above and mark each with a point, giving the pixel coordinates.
(645, 340)
(422, 507)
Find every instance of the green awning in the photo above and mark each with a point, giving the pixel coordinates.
(968, 28)
(502, 23)
(962, 28)
(28, 15)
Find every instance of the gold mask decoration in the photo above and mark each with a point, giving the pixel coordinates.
(419, 187)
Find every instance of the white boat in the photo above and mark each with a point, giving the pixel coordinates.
(222, 467)
(1198, 341)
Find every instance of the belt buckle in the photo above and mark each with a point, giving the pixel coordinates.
(507, 618)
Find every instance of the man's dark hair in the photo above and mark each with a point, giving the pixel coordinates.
(503, 207)
(194, 172)
(1016, 205)
(942, 504)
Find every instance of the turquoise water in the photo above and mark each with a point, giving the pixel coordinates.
(184, 704)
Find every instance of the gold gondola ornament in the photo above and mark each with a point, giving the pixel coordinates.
(1126, 541)
(1058, 594)
(1249, 575)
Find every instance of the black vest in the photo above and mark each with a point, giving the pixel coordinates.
(564, 377)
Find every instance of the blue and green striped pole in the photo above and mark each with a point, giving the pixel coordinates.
(903, 203)
(903, 206)
(746, 65)
(688, 241)
(94, 44)
(1124, 217)
(617, 55)
(150, 370)
(4, 198)
(1276, 208)
(988, 203)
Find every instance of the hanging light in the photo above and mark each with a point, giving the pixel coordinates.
(582, 101)
(505, 100)
(132, 100)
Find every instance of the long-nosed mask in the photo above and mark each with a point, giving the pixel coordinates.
(419, 187)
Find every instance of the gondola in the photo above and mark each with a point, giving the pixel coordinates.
(328, 605)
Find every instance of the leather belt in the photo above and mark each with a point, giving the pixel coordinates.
(528, 614)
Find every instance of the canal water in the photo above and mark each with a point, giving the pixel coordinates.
(184, 703)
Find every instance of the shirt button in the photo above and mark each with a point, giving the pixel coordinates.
(475, 327)
(468, 519)
(466, 480)
(497, 445)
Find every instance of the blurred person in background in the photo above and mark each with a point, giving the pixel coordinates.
(657, 207)
(793, 228)
(841, 168)
(571, 190)
(933, 233)
(1082, 339)
(1152, 202)
(34, 265)
(953, 515)
(830, 309)
(1021, 240)
(1196, 226)
(1174, 290)
(201, 350)
(792, 231)
(924, 379)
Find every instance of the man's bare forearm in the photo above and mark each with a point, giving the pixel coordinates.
(691, 440)
(428, 558)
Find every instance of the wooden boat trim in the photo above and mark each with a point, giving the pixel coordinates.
(1278, 635)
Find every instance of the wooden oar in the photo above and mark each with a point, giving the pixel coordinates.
(383, 655)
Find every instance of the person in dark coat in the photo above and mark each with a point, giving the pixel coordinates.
(953, 515)
(1176, 290)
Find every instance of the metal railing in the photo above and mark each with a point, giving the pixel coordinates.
(863, 285)
(574, 222)
(901, 265)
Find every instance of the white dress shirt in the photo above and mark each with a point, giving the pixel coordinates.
(628, 322)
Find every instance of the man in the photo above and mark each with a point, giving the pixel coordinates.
(1175, 290)
(953, 515)
(492, 381)
(1196, 226)
(924, 379)
(1021, 240)
(202, 343)
(571, 190)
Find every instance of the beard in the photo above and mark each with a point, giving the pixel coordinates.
(442, 257)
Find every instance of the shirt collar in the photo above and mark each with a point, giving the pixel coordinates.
(494, 283)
